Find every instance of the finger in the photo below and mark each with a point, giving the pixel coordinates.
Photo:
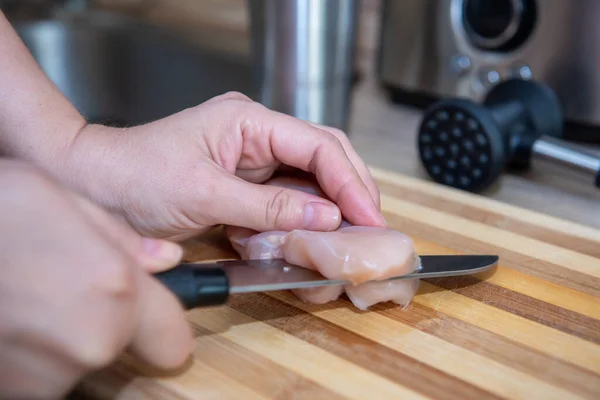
(162, 337)
(264, 207)
(152, 254)
(358, 163)
(256, 175)
(297, 143)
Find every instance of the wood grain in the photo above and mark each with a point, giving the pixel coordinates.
(529, 329)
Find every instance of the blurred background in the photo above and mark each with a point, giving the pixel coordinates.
(130, 61)
(373, 68)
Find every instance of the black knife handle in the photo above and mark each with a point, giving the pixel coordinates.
(197, 285)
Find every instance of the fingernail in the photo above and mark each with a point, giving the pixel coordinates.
(163, 251)
(321, 216)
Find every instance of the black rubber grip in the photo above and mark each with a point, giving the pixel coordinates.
(197, 285)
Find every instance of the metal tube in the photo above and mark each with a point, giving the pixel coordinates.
(557, 150)
(303, 53)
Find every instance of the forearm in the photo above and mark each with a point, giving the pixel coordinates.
(37, 122)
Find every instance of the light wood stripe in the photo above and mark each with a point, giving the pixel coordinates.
(558, 318)
(397, 367)
(504, 222)
(412, 372)
(508, 240)
(302, 358)
(202, 381)
(532, 334)
(430, 189)
(362, 352)
(530, 265)
(474, 369)
(198, 379)
(250, 369)
(547, 291)
(526, 284)
(496, 347)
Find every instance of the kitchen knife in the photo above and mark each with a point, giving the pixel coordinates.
(204, 285)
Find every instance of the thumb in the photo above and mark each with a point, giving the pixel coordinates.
(264, 207)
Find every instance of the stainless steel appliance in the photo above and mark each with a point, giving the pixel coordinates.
(432, 49)
(303, 52)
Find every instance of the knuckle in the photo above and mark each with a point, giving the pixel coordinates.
(340, 135)
(119, 282)
(333, 142)
(280, 210)
(336, 132)
(234, 95)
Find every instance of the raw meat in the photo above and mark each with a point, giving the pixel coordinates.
(352, 253)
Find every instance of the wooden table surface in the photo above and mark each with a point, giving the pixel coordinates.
(530, 329)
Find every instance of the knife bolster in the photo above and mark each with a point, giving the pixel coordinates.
(197, 285)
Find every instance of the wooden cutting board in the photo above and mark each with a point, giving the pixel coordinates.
(530, 329)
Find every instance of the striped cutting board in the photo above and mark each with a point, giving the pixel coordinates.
(528, 330)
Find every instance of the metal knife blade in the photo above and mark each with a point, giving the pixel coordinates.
(205, 285)
(271, 275)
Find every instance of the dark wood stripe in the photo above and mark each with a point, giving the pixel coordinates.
(541, 269)
(210, 245)
(531, 308)
(496, 347)
(562, 239)
(359, 350)
(251, 369)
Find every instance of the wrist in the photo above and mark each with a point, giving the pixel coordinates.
(91, 166)
(45, 146)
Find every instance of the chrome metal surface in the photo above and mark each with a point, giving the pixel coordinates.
(121, 71)
(561, 152)
(303, 57)
(420, 40)
(269, 275)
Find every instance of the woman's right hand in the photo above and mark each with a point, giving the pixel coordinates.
(76, 290)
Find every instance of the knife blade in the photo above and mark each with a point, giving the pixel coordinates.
(211, 284)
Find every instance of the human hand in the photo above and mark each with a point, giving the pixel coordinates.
(204, 166)
(75, 290)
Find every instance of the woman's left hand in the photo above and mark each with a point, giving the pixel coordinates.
(180, 175)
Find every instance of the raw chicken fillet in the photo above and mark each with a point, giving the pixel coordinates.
(360, 255)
